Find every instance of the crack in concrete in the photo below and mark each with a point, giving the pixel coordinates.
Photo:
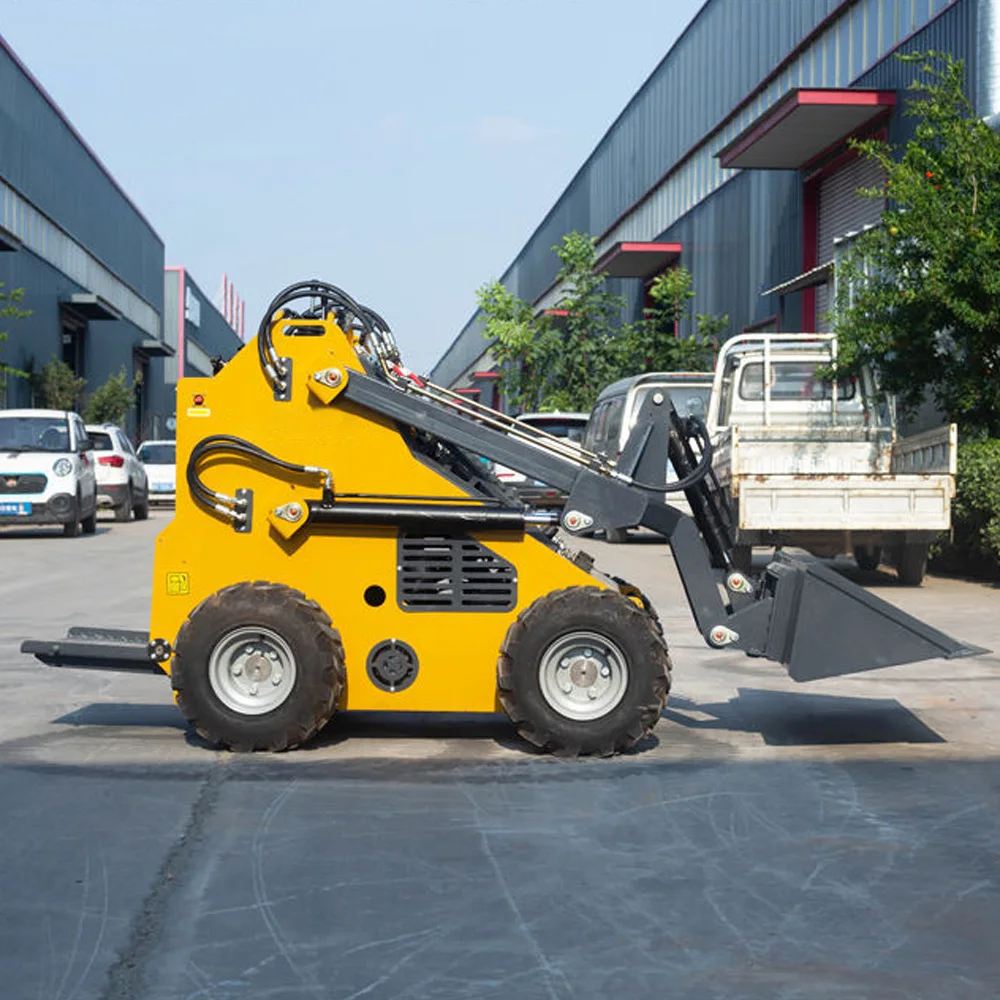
(127, 974)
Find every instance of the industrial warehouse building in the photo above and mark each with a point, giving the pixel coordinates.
(732, 161)
(91, 267)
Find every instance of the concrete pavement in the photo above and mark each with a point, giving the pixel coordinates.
(838, 839)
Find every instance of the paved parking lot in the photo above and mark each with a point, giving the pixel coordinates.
(834, 840)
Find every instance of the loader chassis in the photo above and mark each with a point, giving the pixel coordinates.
(340, 546)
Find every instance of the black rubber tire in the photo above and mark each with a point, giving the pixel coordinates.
(868, 557)
(123, 512)
(911, 563)
(72, 529)
(89, 523)
(140, 509)
(616, 536)
(319, 666)
(591, 609)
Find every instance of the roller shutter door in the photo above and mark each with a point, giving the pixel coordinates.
(842, 210)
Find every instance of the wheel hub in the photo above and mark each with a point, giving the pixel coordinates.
(252, 670)
(583, 675)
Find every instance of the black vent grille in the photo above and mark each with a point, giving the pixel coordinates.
(33, 483)
(448, 573)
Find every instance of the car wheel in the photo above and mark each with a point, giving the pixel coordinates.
(123, 512)
(72, 529)
(89, 523)
(141, 508)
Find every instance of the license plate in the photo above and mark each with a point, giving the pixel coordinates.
(163, 488)
(19, 509)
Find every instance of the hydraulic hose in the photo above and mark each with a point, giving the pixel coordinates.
(269, 361)
(698, 473)
(233, 507)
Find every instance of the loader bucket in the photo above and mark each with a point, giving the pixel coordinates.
(824, 626)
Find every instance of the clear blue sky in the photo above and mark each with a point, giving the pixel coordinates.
(402, 149)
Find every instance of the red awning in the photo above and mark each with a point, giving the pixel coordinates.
(637, 260)
(802, 125)
(468, 392)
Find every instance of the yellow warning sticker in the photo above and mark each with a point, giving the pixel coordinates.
(178, 584)
(199, 411)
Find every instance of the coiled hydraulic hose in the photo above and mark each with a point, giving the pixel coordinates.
(699, 472)
(274, 370)
(234, 507)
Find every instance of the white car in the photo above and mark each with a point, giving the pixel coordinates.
(47, 471)
(569, 427)
(121, 478)
(160, 459)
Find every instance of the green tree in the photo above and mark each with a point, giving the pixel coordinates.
(10, 309)
(524, 345)
(113, 401)
(59, 387)
(918, 297)
(587, 359)
(653, 343)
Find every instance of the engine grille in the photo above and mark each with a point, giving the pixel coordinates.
(31, 483)
(450, 573)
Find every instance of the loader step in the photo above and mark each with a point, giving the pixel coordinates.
(95, 648)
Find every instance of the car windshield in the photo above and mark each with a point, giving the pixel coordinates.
(560, 428)
(33, 434)
(158, 454)
(102, 441)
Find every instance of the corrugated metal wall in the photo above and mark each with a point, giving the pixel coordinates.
(42, 159)
(746, 235)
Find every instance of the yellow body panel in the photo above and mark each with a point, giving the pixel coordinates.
(199, 553)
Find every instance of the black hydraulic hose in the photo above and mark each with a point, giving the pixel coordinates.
(303, 289)
(698, 473)
(239, 446)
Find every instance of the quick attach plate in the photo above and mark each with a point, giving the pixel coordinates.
(284, 395)
(243, 527)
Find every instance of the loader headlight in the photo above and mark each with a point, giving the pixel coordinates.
(63, 467)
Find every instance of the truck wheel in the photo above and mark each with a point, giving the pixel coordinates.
(868, 557)
(583, 671)
(911, 563)
(258, 666)
(742, 557)
(616, 536)
(123, 512)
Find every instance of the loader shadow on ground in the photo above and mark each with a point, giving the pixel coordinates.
(785, 718)
(125, 715)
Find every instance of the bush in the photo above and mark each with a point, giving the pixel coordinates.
(112, 402)
(974, 546)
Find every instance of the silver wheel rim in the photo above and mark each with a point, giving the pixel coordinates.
(583, 675)
(252, 670)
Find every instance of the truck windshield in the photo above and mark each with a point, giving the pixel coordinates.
(33, 434)
(791, 380)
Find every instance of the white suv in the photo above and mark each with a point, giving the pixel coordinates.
(47, 471)
(122, 484)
